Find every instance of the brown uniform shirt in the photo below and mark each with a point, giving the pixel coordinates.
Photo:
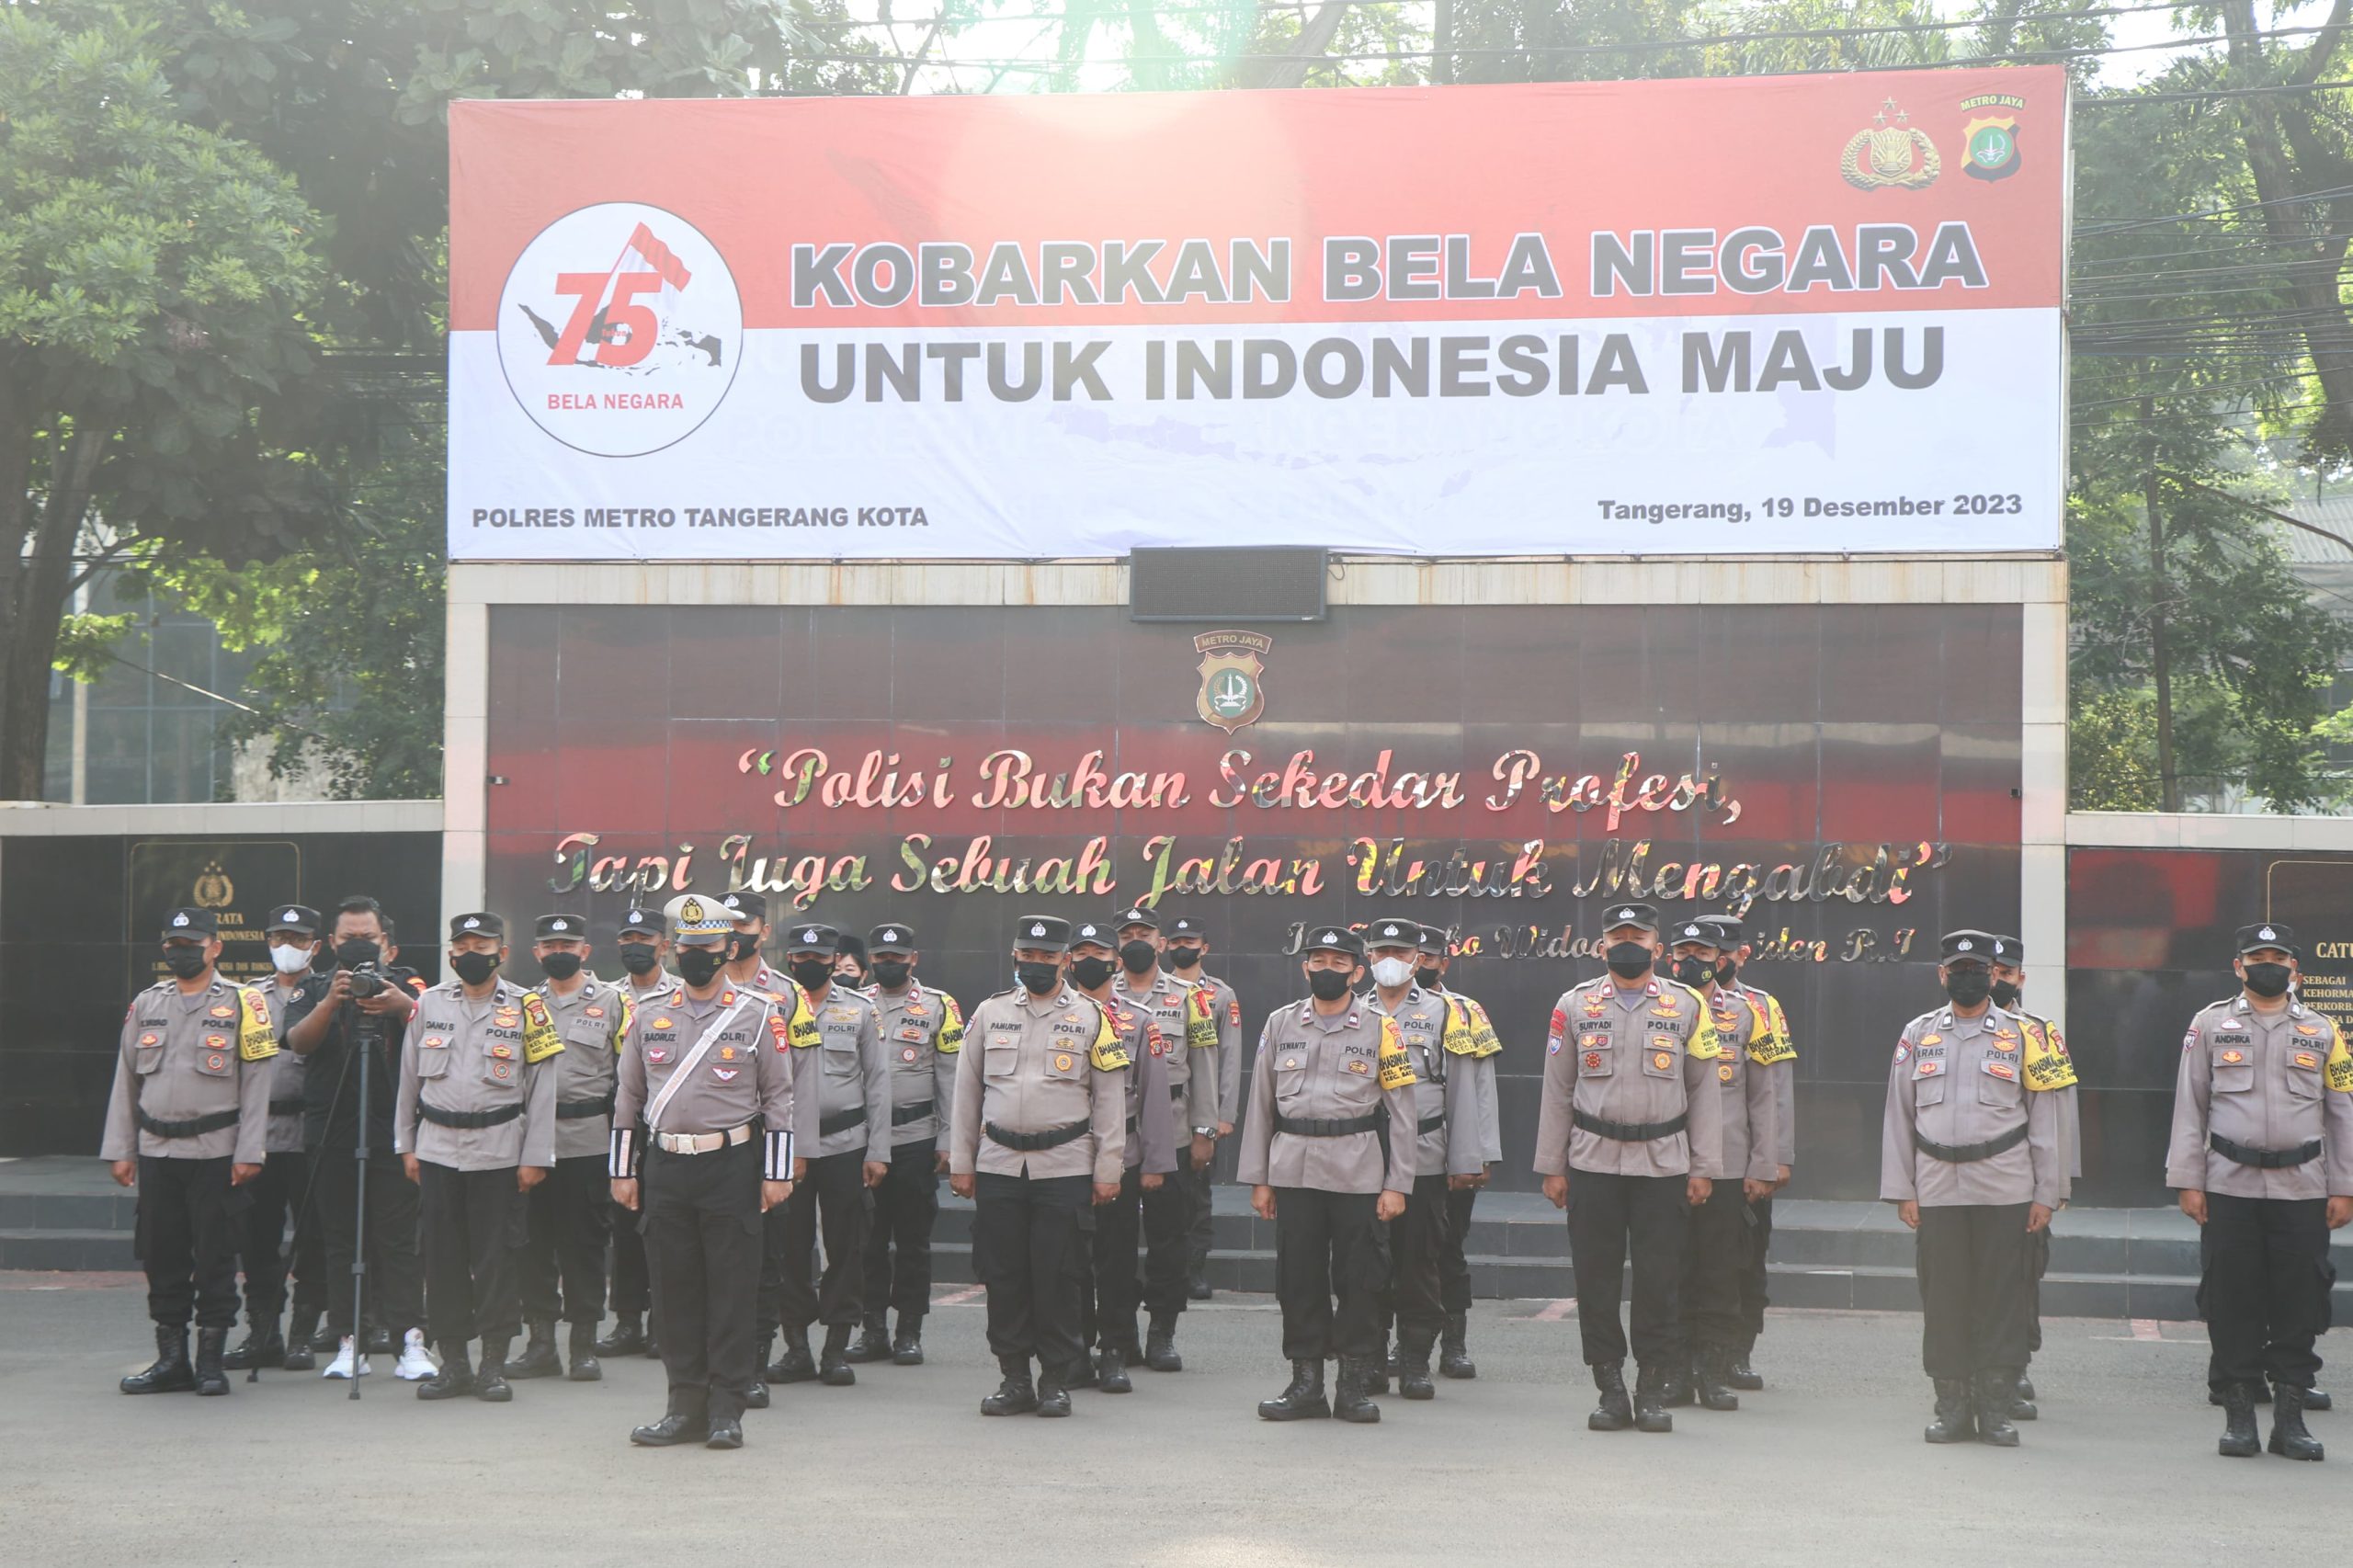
(1151, 1114)
(747, 1074)
(1635, 1055)
(922, 1032)
(1445, 1101)
(1181, 1008)
(463, 1056)
(1751, 1112)
(590, 1022)
(2268, 1080)
(1034, 1064)
(1343, 1066)
(182, 1058)
(839, 1073)
(1961, 1080)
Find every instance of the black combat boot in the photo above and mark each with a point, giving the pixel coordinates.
(2026, 1386)
(1743, 1376)
(834, 1370)
(170, 1372)
(490, 1383)
(1953, 1422)
(906, 1345)
(1454, 1357)
(584, 1368)
(262, 1345)
(1015, 1396)
(1160, 1343)
(1997, 1391)
(1710, 1384)
(1616, 1412)
(537, 1360)
(756, 1394)
(1303, 1399)
(796, 1365)
(873, 1341)
(2240, 1440)
(1352, 1396)
(2317, 1398)
(1054, 1394)
(1111, 1375)
(1649, 1400)
(455, 1378)
(677, 1426)
(1675, 1380)
(2289, 1438)
(1083, 1376)
(1388, 1358)
(2022, 1405)
(300, 1354)
(1413, 1367)
(212, 1344)
(626, 1339)
(726, 1432)
(1197, 1285)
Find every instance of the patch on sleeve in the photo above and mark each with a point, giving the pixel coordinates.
(1234, 1012)
(1705, 1043)
(1396, 1067)
(2046, 1068)
(1902, 1052)
(1200, 1020)
(950, 1037)
(539, 1039)
(2340, 1061)
(804, 1030)
(1108, 1055)
(256, 1041)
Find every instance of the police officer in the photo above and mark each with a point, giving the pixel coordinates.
(1715, 1245)
(1037, 1139)
(842, 1085)
(747, 967)
(644, 944)
(187, 1124)
(2262, 1154)
(1107, 1316)
(850, 965)
(561, 1267)
(474, 1125)
(706, 1073)
(922, 1032)
(1971, 1155)
(1181, 1009)
(1734, 951)
(264, 1251)
(1468, 1019)
(1187, 953)
(2009, 981)
(1627, 1058)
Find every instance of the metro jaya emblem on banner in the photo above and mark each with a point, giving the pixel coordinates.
(1990, 141)
(619, 329)
(1233, 670)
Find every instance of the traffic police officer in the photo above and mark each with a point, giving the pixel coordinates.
(644, 942)
(2262, 1154)
(1036, 1138)
(1476, 1059)
(1188, 949)
(1626, 1058)
(1181, 1009)
(263, 1249)
(705, 1072)
(1734, 951)
(569, 1214)
(1331, 1074)
(1972, 1156)
(187, 1124)
(474, 1125)
(2009, 981)
(922, 1032)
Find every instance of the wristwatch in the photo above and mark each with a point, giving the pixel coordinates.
(1204, 1132)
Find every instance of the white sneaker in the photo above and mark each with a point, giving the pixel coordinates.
(416, 1366)
(341, 1366)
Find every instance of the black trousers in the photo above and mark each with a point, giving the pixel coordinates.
(187, 1231)
(1106, 1307)
(1453, 1267)
(701, 1226)
(1168, 1238)
(2037, 1264)
(1975, 1289)
(475, 1224)
(898, 1248)
(1197, 1184)
(1029, 1252)
(1715, 1255)
(1754, 1277)
(1609, 1216)
(633, 1291)
(1331, 1266)
(833, 1197)
(264, 1253)
(560, 1271)
(2263, 1288)
(395, 1281)
(1413, 1293)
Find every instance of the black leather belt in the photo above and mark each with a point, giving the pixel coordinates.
(1631, 1132)
(2264, 1159)
(466, 1118)
(840, 1121)
(579, 1110)
(194, 1127)
(902, 1114)
(1968, 1153)
(1328, 1126)
(1030, 1142)
(287, 1107)
(1430, 1123)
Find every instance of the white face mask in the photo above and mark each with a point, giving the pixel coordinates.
(290, 961)
(1391, 972)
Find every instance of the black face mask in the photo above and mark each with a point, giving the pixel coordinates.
(1184, 957)
(743, 945)
(2004, 994)
(1629, 960)
(1039, 979)
(2268, 979)
(700, 966)
(1138, 956)
(1430, 974)
(1695, 971)
(1090, 973)
(891, 974)
(186, 962)
(358, 953)
(474, 968)
(1968, 987)
(560, 966)
(1726, 972)
(1328, 984)
(811, 974)
(639, 958)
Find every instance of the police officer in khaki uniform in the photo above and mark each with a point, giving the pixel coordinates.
(263, 1250)
(2009, 981)
(1734, 951)
(1972, 1156)
(1627, 1058)
(1331, 1074)
(2262, 1155)
(644, 945)
(1038, 1138)
(561, 1266)
(1468, 1018)
(702, 1147)
(187, 1124)
(922, 1030)
(1181, 1009)
(474, 1125)
(1187, 954)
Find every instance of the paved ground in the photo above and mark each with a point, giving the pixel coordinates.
(1824, 1467)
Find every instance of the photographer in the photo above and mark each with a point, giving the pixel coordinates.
(369, 998)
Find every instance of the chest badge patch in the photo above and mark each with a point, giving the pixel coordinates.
(216, 1042)
(502, 1070)
(657, 1054)
(1593, 1061)
(1928, 1068)
(150, 1040)
(502, 1051)
(2001, 1070)
(907, 1054)
(215, 1061)
(1359, 1066)
(726, 1075)
(2308, 1029)
(2004, 1045)
(1723, 1072)
(1932, 1039)
(1291, 1061)
(592, 1012)
(2233, 1058)
(1663, 1061)
(224, 1012)
(727, 1054)
(1061, 1063)
(660, 1024)
(2307, 1059)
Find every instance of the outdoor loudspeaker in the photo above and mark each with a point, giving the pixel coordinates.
(1256, 582)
